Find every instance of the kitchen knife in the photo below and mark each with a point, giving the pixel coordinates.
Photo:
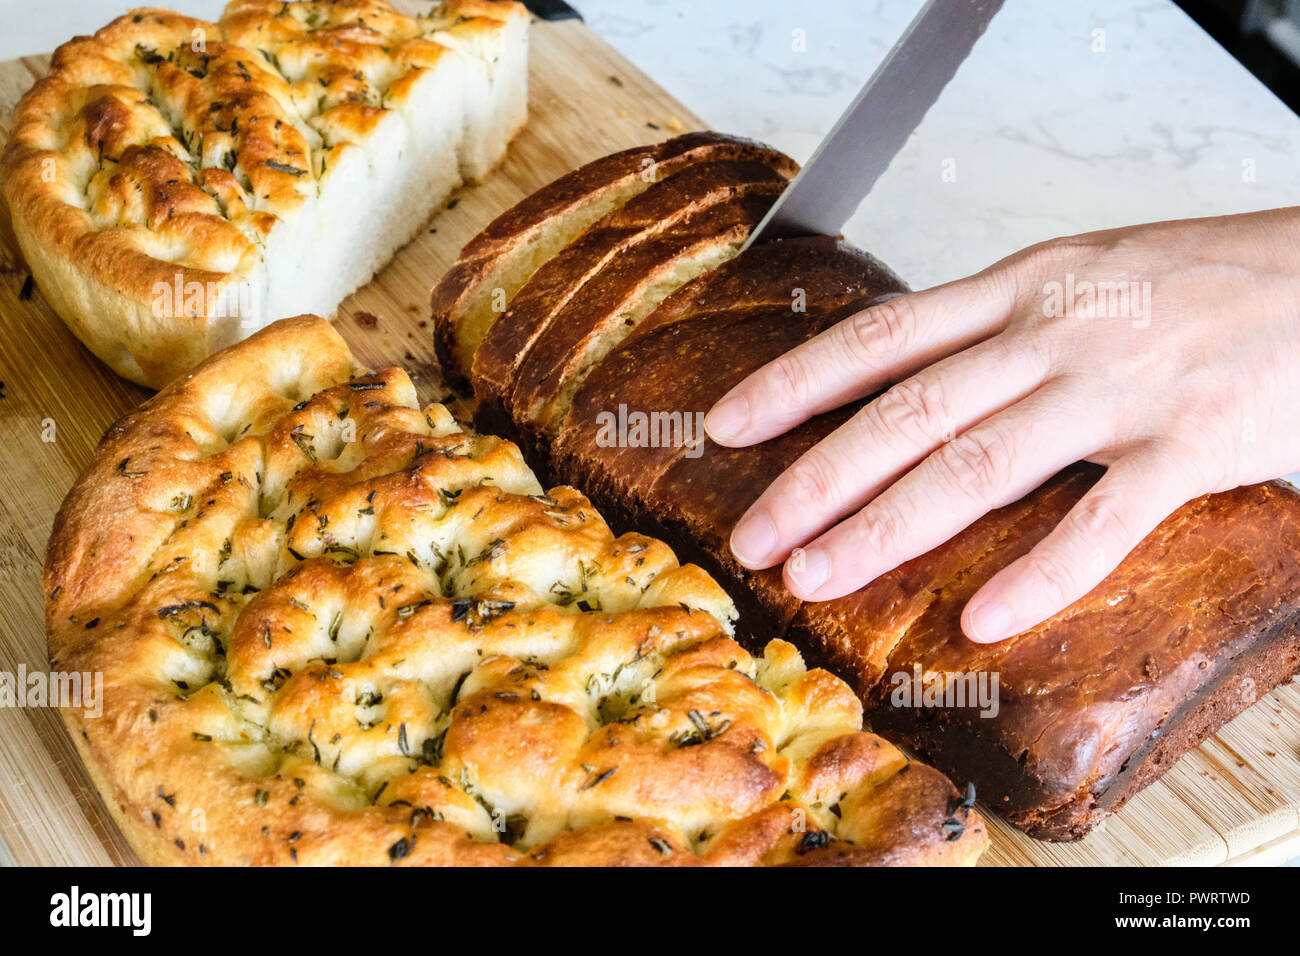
(847, 163)
(552, 10)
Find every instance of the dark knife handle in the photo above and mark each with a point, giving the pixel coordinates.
(552, 10)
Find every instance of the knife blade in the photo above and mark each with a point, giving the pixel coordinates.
(552, 10)
(865, 139)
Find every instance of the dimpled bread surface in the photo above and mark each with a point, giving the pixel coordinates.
(335, 628)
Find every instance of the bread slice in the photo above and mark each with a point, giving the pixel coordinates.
(493, 267)
(611, 304)
(623, 244)
(174, 184)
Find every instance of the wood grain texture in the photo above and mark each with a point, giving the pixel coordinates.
(1235, 799)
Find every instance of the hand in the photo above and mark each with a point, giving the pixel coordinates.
(1183, 381)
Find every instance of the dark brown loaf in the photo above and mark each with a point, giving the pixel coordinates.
(1094, 704)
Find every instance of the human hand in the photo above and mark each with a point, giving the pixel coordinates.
(1184, 380)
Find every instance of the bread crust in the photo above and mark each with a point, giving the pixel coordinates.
(167, 153)
(334, 628)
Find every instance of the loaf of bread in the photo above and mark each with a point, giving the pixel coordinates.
(174, 184)
(336, 628)
(1090, 706)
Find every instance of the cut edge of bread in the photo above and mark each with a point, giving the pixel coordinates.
(495, 266)
(552, 335)
(490, 298)
(704, 257)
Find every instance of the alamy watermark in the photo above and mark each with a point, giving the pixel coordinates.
(69, 689)
(638, 429)
(1085, 299)
(75, 908)
(949, 689)
(215, 300)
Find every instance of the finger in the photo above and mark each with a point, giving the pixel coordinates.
(1135, 494)
(994, 463)
(862, 354)
(858, 460)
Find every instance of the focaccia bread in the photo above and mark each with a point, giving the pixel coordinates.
(175, 184)
(1093, 704)
(334, 628)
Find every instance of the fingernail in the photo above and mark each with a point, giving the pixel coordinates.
(991, 622)
(809, 568)
(753, 539)
(727, 418)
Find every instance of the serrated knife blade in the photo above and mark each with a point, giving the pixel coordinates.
(865, 139)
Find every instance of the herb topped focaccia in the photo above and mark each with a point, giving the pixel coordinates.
(336, 628)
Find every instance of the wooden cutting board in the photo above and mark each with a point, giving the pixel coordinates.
(1235, 799)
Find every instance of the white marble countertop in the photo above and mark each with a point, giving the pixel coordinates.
(1048, 137)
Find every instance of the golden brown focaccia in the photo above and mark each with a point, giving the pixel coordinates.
(175, 184)
(335, 628)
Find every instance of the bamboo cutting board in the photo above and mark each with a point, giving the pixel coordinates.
(1235, 799)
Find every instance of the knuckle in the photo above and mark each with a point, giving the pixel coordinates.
(1034, 340)
(1182, 461)
(1052, 255)
(812, 482)
(975, 462)
(877, 529)
(916, 408)
(1051, 577)
(885, 331)
(1099, 519)
(792, 379)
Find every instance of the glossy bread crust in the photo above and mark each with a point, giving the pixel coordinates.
(334, 628)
